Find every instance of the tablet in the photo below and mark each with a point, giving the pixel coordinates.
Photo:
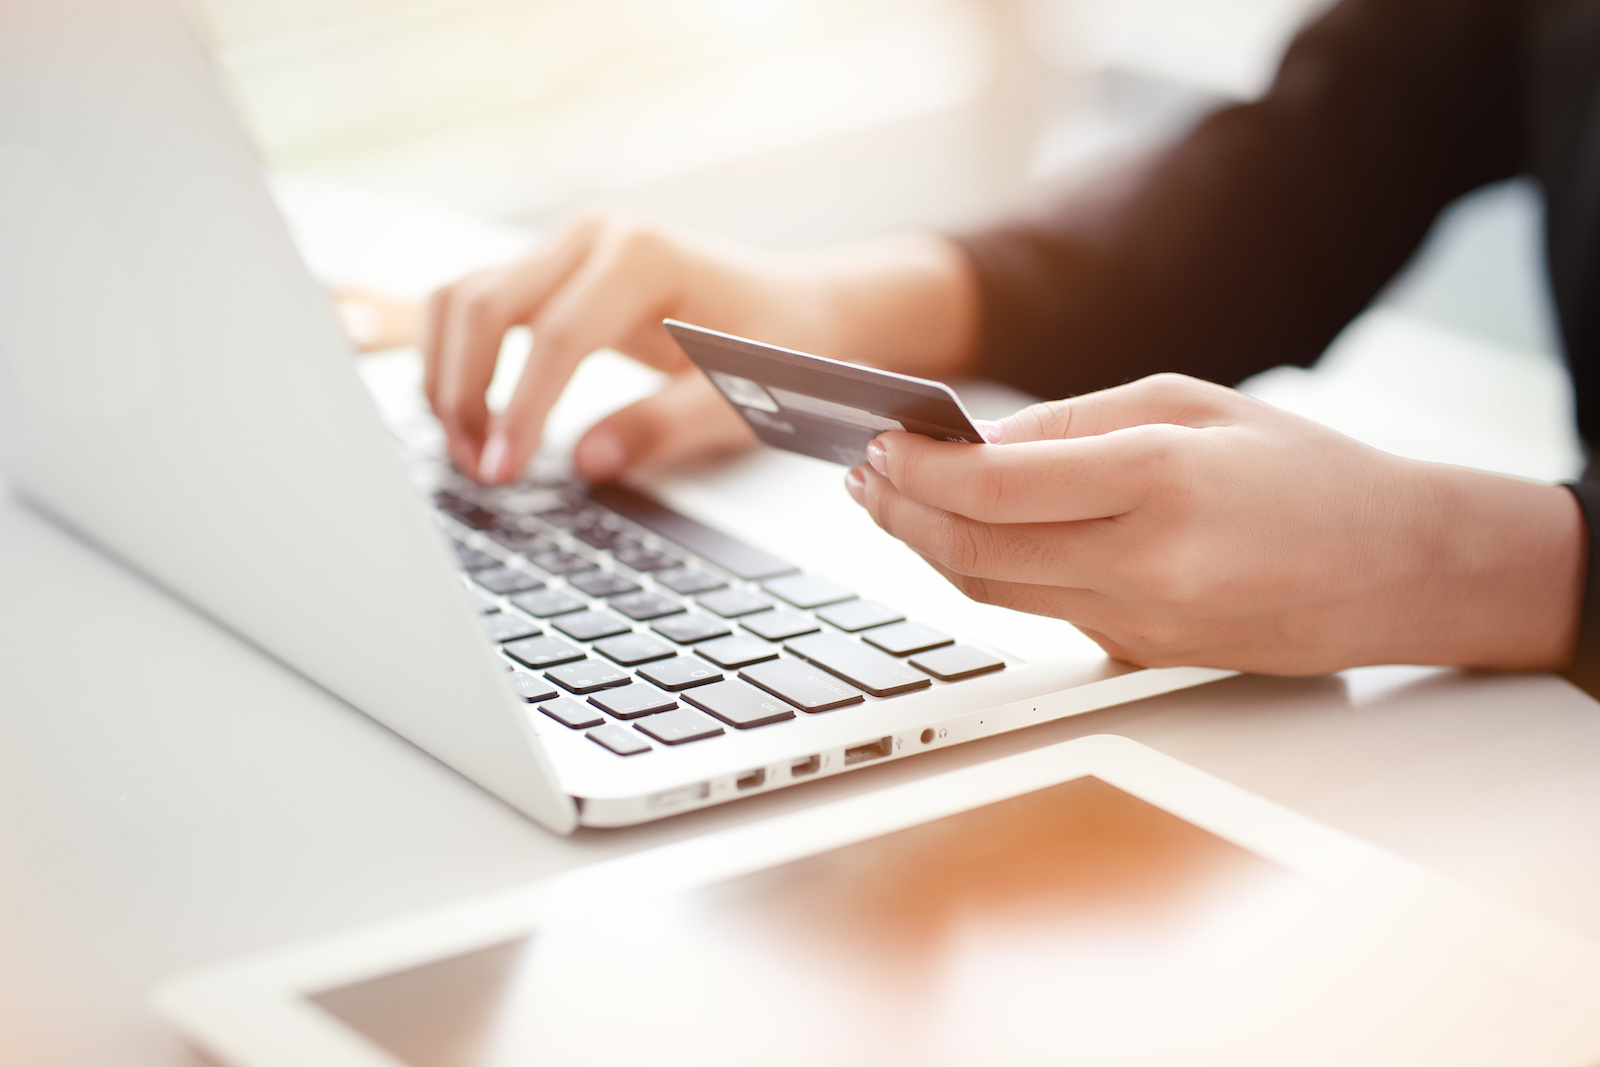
(1091, 903)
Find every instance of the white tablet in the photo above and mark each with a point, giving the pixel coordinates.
(1089, 903)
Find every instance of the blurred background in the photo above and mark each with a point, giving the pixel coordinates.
(780, 121)
(785, 122)
(800, 122)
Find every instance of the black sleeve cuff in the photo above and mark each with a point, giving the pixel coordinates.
(1585, 668)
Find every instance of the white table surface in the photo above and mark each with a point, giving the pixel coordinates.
(171, 797)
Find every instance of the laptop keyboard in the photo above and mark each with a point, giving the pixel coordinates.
(643, 628)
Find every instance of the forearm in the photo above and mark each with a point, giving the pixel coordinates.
(905, 302)
(1254, 239)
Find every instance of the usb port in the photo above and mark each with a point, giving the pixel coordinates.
(801, 768)
(872, 750)
(754, 780)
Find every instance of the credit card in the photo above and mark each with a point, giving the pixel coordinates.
(817, 406)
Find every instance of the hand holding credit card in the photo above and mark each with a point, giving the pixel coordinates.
(817, 406)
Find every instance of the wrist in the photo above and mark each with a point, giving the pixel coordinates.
(1502, 563)
(907, 303)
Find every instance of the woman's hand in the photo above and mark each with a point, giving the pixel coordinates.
(1179, 522)
(608, 281)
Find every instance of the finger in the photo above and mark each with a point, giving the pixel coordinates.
(1055, 554)
(618, 288)
(1168, 398)
(687, 419)
(376, 321)
(477, 312)
(1037, 481)
(432, 330)
(466, 325)
(462, 452)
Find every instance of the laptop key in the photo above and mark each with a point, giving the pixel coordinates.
(555, 561)
(602, 583)
(678, 727)
(863, 667)
(540, 652)
(504, 626)
(806, 687)
(807, 590)
(473, 559)
(505, 580)
(572, 713)
(632, 701)
(630, 649)
(687, 629)
(590, 625)
(619, 739)
(595, 536)
(735, 557)
(739, 704)
(778, 625)
(464, 511)
(731, 603)
(486, 604)
(643, 559)
(855, 615)
(568, 517)
(517, 540)
(643, 606)
(689, 580)
(531, 687)
(679, 673)
(737, 651)
(904, 638)
(587, 676)
(546, 603)
(957, 662)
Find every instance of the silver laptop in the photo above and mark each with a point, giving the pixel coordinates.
(175, 387)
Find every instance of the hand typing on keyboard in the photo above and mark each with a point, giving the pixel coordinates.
(1178, 522)
(604, 281)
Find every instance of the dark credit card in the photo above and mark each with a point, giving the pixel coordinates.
(821, 407)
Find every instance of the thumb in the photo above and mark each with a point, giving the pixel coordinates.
(1160, 398)
(687, 419)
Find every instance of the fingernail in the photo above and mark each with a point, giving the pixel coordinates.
(599, 456)
(992, 432)
(855, 483)
(878, 457)
(496, 455)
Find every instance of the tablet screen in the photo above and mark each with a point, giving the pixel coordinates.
(1075, 924)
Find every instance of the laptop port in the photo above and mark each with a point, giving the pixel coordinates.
(684, 794)
(801, 768)
(754, 780)
(872, 750)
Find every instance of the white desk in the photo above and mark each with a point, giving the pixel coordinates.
(170, 797)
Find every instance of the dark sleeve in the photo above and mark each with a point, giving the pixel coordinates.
(1254, 239)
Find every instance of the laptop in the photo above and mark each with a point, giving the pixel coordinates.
(175, 388)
